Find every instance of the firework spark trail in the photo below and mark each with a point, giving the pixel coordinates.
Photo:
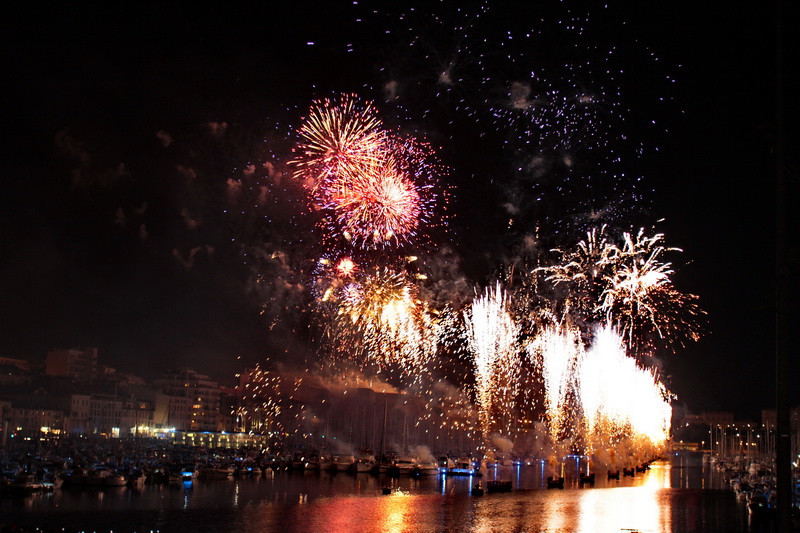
(587, 263)
(555, 351)
(259, 408)
(620, 401)
(492, 336)
(639, 274)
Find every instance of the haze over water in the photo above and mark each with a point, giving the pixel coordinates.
(678, 495)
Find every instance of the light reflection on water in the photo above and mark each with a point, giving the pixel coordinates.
(668, 498)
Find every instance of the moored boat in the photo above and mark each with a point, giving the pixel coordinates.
(136, 479)
(299, 462)
(25, 482)
(426, 469)
(325, 462)
(96, 476)
(363, 463)
(405, 466)
(343, 462)
(115, 479)
(216, 472)
(52, 482)
(463, 467)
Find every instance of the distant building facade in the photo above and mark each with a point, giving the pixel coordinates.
(194, 403)
(79, 364)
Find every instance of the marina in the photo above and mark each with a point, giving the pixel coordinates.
(679, 493)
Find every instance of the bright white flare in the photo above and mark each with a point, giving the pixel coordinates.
(620, 398)
(492, 337)
(556, 351)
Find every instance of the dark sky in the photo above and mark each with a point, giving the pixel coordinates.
(127, 131)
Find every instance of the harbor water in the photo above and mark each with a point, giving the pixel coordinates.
(677, 495)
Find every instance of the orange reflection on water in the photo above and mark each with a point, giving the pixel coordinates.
(658, 477)
(637, 508)
(394, 511)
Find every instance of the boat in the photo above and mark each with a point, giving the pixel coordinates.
(314, 462)
(554, 482)
(343, 462)
(426, 469)
(477, 490)
(463, 467)
(182, 474)
(325, 462)
(363, 463)
(247, 469)
(404, 466)
(216, 472)
(136, 479)
(24, 482)
(743, 491)
(52, 482)
(761, 501)
(298, 462)
(613, 474)
(96, 476)
(115, 479)
(445, 464)
(498, 486)
(385, 467)
(587, 479)
(189, 472)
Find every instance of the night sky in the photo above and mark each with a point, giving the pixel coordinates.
(128, 132)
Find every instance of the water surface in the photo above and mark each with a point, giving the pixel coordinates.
(680, 495)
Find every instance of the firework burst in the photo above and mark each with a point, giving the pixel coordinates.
(641, 301)
(629, 287)
(584, 272)
(378, 206)
(339, 136)
(379, 321)
(374, 189)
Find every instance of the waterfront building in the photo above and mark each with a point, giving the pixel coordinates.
(78, 420)
(202, 396)
(79, 364)
(28, 421)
